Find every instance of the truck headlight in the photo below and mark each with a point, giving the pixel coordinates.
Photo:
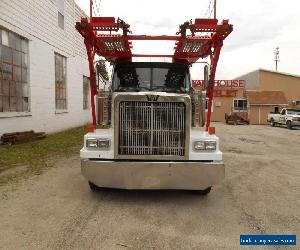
(199, 145)
(104, 144)
(211, 145)
(98, 143)
(92, 143)
(205, 145)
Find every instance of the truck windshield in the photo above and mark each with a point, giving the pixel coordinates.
(293, 111)
(166, 77)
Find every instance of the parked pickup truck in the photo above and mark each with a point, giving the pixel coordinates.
(288, 117)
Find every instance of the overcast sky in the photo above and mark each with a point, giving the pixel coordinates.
(259, 27)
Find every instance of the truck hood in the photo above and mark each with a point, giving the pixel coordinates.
(294, 116)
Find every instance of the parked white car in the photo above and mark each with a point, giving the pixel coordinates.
(288, 117)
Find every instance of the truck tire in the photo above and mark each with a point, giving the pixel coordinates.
(272, 122)
(94, 187)
(203, 192)
(289, 125)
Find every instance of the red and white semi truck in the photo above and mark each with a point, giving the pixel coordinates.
(159, 135)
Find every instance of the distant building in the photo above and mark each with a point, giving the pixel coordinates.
(255, 94)
(44, 74)
(262, 102)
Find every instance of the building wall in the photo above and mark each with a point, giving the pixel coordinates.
(254, 115)
(269, 80)
(251, 80)
(226, 105)
(290, 85)
(258, 114)
(218, 114)
(36, 20)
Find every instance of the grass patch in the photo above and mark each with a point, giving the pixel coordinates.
(36, 154)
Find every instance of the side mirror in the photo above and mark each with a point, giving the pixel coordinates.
(206, 77)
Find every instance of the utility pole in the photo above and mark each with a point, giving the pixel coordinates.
(276, 57)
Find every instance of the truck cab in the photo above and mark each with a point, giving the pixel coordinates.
(155, 138)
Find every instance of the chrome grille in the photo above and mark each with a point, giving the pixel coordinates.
(152, 128)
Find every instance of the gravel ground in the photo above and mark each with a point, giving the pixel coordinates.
(260, 195)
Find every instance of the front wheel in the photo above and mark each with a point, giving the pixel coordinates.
(203, 192)
(272, 122)
(289, 124)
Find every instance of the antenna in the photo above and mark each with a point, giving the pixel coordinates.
(276, 57)
(91, 10)
(215, 9)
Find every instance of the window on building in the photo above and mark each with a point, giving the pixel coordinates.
(61, 21)
(61, 13)
(86, 92)
(296, 103)
(14, 88)
(240, 104)
(60, 82)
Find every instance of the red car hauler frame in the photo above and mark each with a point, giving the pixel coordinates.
(153, 140)
(205, 39)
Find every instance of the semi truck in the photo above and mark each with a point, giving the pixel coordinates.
(159, 134)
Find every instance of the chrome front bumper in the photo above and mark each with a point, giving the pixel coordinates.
(153, 175)
(296, 123)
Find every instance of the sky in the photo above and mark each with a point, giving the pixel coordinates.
(259, 26)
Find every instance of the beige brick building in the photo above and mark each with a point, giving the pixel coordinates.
(259, 93)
